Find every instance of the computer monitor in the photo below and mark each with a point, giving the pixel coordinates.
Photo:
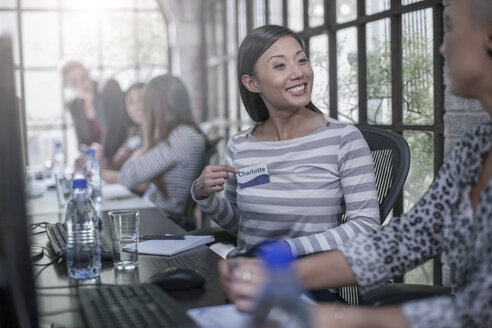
(17, 296)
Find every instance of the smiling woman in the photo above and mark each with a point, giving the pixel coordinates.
(314, 169)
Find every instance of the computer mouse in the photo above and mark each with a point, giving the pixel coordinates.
(178, 279)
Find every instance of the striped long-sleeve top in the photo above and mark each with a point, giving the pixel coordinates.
(313, 181)
(180, 159)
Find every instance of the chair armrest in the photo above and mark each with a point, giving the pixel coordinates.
(397, 293)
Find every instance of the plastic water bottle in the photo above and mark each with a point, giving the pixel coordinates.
(280, 305)
(58, 160)
(92, 172)
(83, 252)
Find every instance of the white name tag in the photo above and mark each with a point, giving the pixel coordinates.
(253, 175)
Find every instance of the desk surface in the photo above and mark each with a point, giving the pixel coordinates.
(46, 203)
(152, 221)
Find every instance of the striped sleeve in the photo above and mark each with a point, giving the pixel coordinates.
(222, 210)
(159, 159)
(357, 181)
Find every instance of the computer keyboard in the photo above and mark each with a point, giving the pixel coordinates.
(139, 305)
(57, 235)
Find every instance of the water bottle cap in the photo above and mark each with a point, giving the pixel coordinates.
(276, 254)
(79, 183)
(91, 152)
(58, 144)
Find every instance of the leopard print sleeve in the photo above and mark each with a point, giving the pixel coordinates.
(415, 236)
(471, 306)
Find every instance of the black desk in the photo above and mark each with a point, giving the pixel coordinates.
(152, 221)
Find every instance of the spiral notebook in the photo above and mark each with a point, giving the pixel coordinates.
(170, 247)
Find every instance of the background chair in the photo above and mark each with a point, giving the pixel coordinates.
(391, 157)
(193, 219)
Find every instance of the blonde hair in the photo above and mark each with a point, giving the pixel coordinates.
(68, 65)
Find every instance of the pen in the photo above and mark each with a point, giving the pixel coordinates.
(168, 236)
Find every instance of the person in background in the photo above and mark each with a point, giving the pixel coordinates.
(173, 149)
(296, 172)
(98, 111)
(132, 147)
(454, 217)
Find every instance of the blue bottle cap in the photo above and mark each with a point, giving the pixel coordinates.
(91, 152)
(276, 254)
(79, 183)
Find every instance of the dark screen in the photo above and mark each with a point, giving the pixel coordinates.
(17, 298)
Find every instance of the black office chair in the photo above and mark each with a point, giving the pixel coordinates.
(189, 218)
(391, 157)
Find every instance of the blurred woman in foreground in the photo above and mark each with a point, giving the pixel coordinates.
(454, 217)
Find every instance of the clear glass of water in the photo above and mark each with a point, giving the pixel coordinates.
(124, 235)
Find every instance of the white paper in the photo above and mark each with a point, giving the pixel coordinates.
(221, 316)
(116, 191)
(169, 246)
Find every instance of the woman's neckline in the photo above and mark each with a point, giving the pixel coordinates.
(326, 124)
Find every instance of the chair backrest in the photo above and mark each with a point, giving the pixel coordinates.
(391, 157)
(189, 220)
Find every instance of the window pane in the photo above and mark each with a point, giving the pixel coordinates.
(40, 39)
(152, 39)
(212, 95)
(423, 274)
(418, 79)
(346, 10)
(376, 6)
(233, 91)
(241, 20)
(378, 72)
(421, 166)
(316, 12)
(407, 2)
(97, 4)
(118, 38)
(218, 28)
(147, 4)
(276, 12)
(318, 46)
(39, 4)
(295, 13)
(259, 13)
(8, 4)
(40, 144)
(17, 83)
(8, 26)
(81, 44)
(221, 99)
(231, 27)
(146, 73)
(348, 109)
(419, 179)
(43, 97)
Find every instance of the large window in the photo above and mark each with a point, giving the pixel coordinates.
(376, 63)
(121, 39)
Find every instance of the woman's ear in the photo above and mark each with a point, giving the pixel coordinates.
(250, 83)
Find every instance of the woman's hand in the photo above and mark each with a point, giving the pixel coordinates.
(212, 180)
(242, 279)
(110, 176)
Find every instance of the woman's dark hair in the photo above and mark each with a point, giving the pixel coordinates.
(250, 50)
(166, 106)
